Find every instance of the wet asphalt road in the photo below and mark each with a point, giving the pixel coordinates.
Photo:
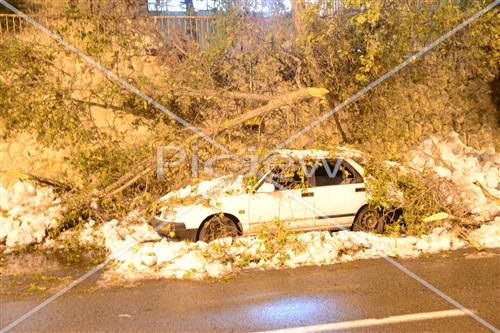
(256, 301)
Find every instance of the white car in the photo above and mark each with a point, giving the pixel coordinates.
(331, 196)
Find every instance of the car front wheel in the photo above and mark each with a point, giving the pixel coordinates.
(370, 220)
(218, 227)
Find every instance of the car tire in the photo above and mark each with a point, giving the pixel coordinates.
(369, 219)
(218, 226)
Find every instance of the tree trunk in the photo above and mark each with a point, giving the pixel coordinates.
(192, 22)
(158, 5)
(298, 7)
(204, 93)
(189, 7)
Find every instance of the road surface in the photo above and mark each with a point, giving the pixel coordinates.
(341, 297)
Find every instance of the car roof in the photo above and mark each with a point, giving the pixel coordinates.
(337, 152)
(346, 153)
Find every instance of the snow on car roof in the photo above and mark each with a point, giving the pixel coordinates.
(339, 151)
(234, 184)
(302, 154)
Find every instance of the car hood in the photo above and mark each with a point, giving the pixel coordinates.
(222, 186)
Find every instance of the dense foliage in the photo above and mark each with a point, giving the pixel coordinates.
(51, 93)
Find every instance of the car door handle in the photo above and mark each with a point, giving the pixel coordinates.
(361, 189)
(307, 194)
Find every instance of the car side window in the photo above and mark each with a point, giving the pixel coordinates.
(290, 180)
(330, 175)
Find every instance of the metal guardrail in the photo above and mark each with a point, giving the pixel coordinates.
(197, 27)
(11, 23)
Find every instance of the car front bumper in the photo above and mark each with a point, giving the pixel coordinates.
(179, 229)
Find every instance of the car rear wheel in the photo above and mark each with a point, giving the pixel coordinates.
(370, 220)
(218, 226)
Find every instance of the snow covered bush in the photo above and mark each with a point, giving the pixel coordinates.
(441, 175)
(474, 173)
(407, 197)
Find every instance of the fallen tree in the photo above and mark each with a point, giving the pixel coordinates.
(207, 93)
(149, 165)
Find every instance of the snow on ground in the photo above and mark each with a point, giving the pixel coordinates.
(27, 213)
(449, 158)
(153, 258)
(488, 235)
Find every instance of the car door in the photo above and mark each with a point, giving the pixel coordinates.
(290, 202)
(339, 192)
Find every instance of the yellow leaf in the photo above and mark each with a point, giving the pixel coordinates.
(17, 174)
(360, 77)
(317, 92)
(253, 122)
(436, 217)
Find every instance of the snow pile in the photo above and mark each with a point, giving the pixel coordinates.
(138, 252)
(301, 154)
(26, 214)
(451, 159)
(339, 151)
(150, 257)
(89, 235)
(488, 235)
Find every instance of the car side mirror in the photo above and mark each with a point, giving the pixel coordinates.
(266, 188)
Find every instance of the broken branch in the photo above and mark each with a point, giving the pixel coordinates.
(149, 165)
(207, 93)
